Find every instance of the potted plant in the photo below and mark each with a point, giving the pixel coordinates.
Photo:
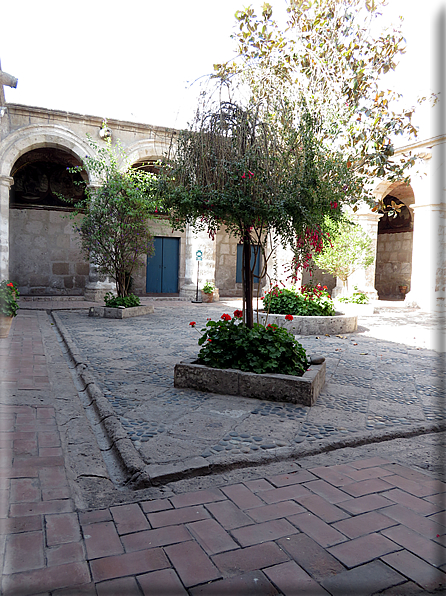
(208, 292)
(8, 305)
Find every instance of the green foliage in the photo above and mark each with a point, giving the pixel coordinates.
(308, 301)
(261, 173)
(230, 344)
(128, 301)
(357, 297)
(208, 288)
(335, 52)
(8, 298)
(347, 249)
(118, 204)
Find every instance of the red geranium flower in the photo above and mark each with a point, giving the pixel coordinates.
(226, 317)
(238, 314)
(193, 323)
(11, 285)
(289, 318)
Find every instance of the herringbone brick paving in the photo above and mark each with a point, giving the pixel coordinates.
(367, 527)
(326, 530)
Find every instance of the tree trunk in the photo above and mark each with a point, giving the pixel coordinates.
(248, 281)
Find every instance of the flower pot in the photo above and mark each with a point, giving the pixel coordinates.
(5, 325)
(207, 297)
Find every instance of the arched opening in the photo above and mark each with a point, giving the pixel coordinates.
(45, 257)
(395, 244)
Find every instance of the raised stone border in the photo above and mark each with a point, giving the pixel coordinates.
(120, 313)
(340, 323)
(285, 388)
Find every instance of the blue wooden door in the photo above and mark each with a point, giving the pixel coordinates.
(162, 267)
(255, 253)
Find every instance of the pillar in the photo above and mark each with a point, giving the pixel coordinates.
(195, 241)
(5, 184)
(428, 268)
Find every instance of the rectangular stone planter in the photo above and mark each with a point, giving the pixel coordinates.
(120, 313)
(285, 388)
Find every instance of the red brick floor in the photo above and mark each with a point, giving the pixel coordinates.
(362, 528)
(300, 533)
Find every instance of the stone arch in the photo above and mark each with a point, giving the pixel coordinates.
(42, 252)
(146, 150)
(395, 242)
(35, 137)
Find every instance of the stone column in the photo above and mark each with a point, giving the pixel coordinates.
(428, 267)
(5, 184)
(98, 285)
(195, 241)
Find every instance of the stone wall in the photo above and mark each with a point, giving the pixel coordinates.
(393, 264)
(226, 255)
(46, 258)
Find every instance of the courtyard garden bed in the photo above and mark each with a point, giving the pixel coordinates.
(120, 312)
(305, 325)
(273, 387)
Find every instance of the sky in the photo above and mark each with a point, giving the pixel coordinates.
(138, 60)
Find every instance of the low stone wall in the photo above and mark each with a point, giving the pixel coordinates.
(120, 313)
(340, 323)
(285, 388)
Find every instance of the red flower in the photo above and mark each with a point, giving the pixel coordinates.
(243, 176)
(324, 287)
(210, 340)
(10, 285)
(250, 174)
(226, 317)
(238, 314)
(193, 323)
(289, 318)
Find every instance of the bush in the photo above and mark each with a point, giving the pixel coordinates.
(308, 301)
(357, 297)
(8, 298)
(112, 301)
(228, 343)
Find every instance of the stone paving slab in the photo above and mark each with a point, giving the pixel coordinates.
(375, 390)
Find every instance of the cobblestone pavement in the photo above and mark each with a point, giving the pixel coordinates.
(373, 387)
(360, 520)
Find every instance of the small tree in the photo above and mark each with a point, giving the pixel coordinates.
(259, 172)
(347, 249)
(114, 229)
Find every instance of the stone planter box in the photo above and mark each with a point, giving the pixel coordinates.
(285, 388)
(340, 323)
(120, 313)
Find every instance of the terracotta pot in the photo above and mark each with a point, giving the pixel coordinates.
(5, 325)
(207, 297)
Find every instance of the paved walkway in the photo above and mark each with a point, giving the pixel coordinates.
(358, 520)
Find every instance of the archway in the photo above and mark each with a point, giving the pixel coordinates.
(44, 254)
(395, 244)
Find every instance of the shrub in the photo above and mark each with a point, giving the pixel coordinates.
(228, 343)
(112, 301)
(8, 298)
(307, 301)
(357, 297)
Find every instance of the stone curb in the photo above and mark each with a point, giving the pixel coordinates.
(140, 475)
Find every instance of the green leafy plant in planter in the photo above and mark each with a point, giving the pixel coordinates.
(112, 301)
(308, 301)
(208, 288)
(8, 298)
(358, 297)
(228, 343)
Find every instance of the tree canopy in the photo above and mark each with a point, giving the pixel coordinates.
(335, 53)
(114, 229)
